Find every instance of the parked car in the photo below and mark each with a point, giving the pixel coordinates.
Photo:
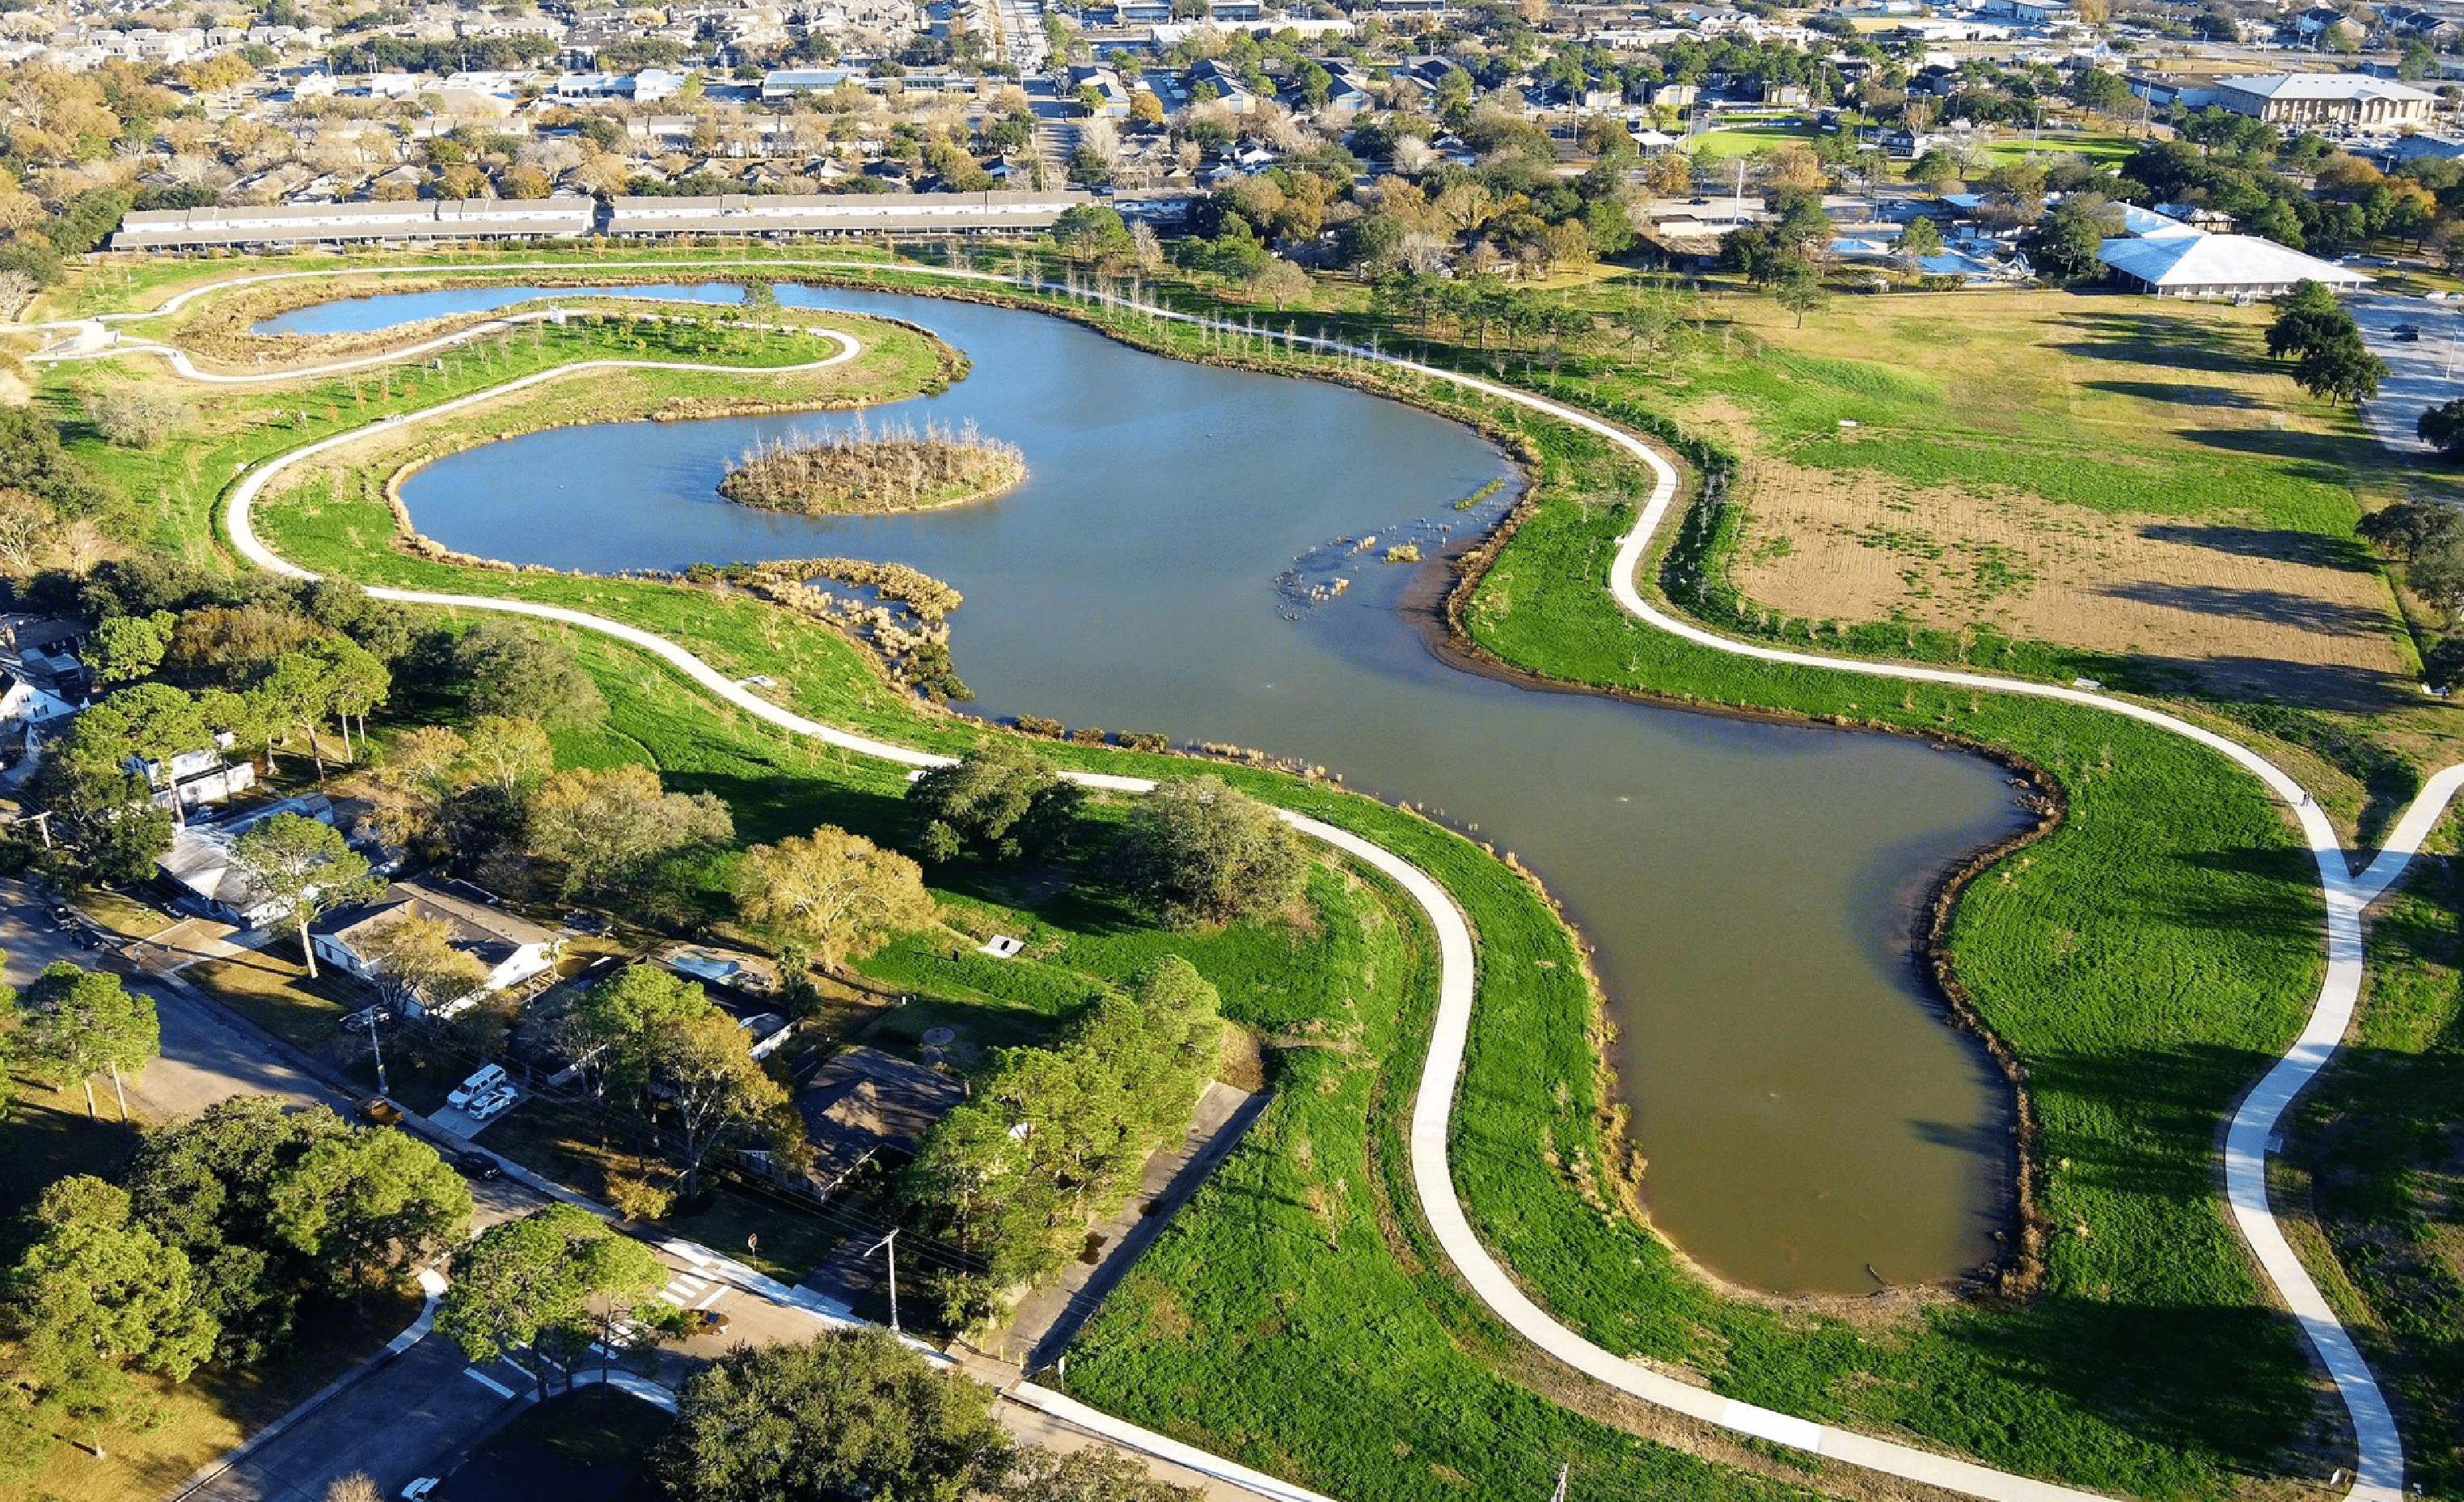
(2407, 333)
(354, 1021)
(377, 1111)
(493, 1104)
(707, 1322)
(486, 1079)
(477, 1166)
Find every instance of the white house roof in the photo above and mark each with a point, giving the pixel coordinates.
(2221, 260)
(2324, 87)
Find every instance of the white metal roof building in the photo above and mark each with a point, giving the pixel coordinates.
(839, 213)
(2220, 266)
(339, 224)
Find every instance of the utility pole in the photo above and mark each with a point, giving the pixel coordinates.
(889, 1245)
(377, 1048)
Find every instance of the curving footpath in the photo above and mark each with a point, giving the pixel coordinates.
(2380, 1474)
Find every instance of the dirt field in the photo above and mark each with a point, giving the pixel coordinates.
(1864, 547)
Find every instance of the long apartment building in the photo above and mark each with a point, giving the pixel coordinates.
(278, 226)
(781, 214)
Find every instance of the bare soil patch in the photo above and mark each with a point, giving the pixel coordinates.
(2238, 606)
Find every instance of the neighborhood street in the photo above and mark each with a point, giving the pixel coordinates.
(205, 1057)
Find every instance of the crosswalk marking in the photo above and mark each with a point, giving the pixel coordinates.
(487, 1382)
(687, 1291)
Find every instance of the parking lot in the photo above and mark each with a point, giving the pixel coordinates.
(2422, 372)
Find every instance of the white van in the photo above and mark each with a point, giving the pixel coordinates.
(488, 1079)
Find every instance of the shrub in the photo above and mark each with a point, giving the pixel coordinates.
(1003, 801)
(1198, 851)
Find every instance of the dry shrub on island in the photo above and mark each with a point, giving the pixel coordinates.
(858, 470)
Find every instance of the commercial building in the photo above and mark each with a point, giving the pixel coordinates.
(2326, 99)
(2194, 265)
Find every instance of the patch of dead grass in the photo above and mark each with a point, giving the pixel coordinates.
(1862, 546)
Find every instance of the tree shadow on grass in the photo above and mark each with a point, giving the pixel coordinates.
(2178, 395)
(2323, 458)
(2273, 606)
(2268, 893)
(795, 802)
(2155, 339)
(2172, 1356)
(2308, 685)
(2211, 1383)
(2279, 543)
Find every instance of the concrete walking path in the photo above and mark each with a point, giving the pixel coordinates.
(2380, 1474)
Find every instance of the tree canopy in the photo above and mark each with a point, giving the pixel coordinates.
(531, 1282)
(2442, 427)
(849, 1416)
(1200, 851)
(1001, 801)
(836, 893)
(1051, 1137)
(305, 868)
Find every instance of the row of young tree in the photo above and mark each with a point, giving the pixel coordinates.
(209, 1246)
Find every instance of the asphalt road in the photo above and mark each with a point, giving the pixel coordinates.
(2418, 377)
(205, 1058)
(391, 1423)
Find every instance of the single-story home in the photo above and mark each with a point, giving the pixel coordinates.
(508, 949)
(2220, 266)
(199, 863)
(866, 1104)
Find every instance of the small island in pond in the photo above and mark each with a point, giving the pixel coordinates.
(862, 471)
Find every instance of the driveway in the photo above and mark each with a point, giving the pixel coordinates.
(2420, 374)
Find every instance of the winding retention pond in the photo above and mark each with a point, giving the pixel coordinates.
(1809, 1120)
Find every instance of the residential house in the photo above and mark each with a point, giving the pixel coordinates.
(866, 1106)
(507, 950)
(195, 779)
(23, 703)
(198, 867)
